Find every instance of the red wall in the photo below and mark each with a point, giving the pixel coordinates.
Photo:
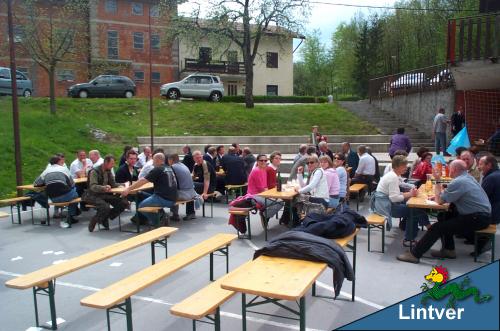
(482, 111)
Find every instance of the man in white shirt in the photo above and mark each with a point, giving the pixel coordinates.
(366, 168)
(81, 165)
(144, 157)
(96, 158)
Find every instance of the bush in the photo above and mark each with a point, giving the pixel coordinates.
(276, 99)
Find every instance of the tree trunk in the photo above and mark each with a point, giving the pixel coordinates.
(52, 89)
(249, 84)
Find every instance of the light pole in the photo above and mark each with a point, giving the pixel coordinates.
(15, 108)
(150, 81)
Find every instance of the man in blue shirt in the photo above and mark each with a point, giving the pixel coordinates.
(473, 213)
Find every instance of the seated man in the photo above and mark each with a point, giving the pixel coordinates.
(249, 160)
(365, 172)
(79, 169)
(165, 187)
(324, 150)
(204, 180)
(144, 157)
(301, 162)
(473, 212)
(128, 173)
(351, 157)
(96, 158)
(470, 161)
(59, 186)
(185, 185)
(149, 165)
(100, 182)
(234, 168)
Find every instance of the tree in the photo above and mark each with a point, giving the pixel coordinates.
(360, 74)
(53, 31)
(244, 23)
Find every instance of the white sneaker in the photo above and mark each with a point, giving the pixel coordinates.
(64, 225)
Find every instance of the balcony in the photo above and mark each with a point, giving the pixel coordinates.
(216, 67)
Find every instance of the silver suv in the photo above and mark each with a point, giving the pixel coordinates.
(195, 86)
(24, 84)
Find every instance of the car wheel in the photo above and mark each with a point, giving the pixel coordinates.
(173, 94)
(129, 94)
(83, 94)
(215, 96)
(27, 94)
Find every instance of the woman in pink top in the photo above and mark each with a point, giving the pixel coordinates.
(332, 178)
(257, 181)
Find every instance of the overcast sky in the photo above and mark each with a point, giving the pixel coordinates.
(326, 18)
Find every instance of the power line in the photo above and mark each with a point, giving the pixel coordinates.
(394, 8)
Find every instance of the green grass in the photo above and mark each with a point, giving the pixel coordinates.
(43, 134)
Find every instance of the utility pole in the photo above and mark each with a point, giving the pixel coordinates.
(150, 82)
(15, 108)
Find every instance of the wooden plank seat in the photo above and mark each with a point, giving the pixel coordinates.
(246, 213)
(236, 189)
(357, 189)
(17, 202)
(378, 222)
(43, 280)
(489, 233)
(117, 296)
(345, 242)
(64, 205)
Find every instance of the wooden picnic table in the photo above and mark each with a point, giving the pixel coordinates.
(274, 279)
(31, 187)
(120, 189)
(286, 195)
(421, 201)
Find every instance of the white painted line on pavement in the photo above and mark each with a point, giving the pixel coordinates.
(47, 252)
(58, 252)
(58, 261)
(16, 258)
(59, 321)
(116, 264)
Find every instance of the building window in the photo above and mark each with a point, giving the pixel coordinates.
(137, 9)
(111, 6)
(205, 54)
(155, 41)
(18, 34)
(112, 44)
(272, 90)
(232, 88)
(155, 77)
(272, 60)
(65, 75)
(139, 76)
(154, 11)
(138, 40)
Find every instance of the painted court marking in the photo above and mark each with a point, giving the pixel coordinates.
(47, 252)
(116, 264)
(16, 258)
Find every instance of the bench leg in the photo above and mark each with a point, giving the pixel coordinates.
(369, 228)
(244, 311)
(224, 252)
(50, 292)
(302, 307)
(314, 289)
(354, 248)
(217, 319)
(158, 243)
(124, 308)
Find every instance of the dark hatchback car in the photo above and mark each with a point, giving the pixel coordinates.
(103, 86)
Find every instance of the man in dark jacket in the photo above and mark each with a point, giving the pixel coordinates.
(457, 121)
(234, 168)
(100, 182)
(128, 172)
(351, 157)
(188, 157)
(249, 160)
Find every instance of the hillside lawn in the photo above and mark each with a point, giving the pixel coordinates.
(43, 134)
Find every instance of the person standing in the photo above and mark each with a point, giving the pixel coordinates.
(457, 121)
(439, 131)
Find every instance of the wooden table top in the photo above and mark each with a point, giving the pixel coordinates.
(274, 277)
(288, 194)
(41, 188)
(421, 201)
(120, 189)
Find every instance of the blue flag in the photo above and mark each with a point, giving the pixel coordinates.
(460, 140)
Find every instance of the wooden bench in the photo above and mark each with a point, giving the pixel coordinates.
(357, 189)
(210, 196)
(16, 202)
(43, 281)
(233, 189)
(489, 233)
(117, 296)
(345, 242)
(378, 222)
(246, 213)
(64, 205)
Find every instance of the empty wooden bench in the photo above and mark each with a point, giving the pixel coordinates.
(378, 222)
(345, 242)
(16, 202)
(357, 189)
(489, 233)
(117, 296)
(43, 281)
(233, 189)
(246, 213)
(65, 205)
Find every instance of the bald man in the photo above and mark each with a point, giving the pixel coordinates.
(473, 212)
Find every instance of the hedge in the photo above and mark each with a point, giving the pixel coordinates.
(275, 99)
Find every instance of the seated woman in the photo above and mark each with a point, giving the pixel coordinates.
(316, 183)
(422, 169)
(332, 178)
(389, 201)
(339, 165)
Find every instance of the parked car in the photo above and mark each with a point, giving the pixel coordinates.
(104, 86)
(442, 77)
(203, 86)
(409, 80)
(24, 84)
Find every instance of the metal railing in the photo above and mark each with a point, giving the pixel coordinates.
(473, 38)
(432, 78)
(222, 67)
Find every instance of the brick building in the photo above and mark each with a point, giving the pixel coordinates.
(117, 42)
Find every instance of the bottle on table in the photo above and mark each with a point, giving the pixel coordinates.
(279, 182)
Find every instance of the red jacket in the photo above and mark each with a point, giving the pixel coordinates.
(271, 177)
(422, 170)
